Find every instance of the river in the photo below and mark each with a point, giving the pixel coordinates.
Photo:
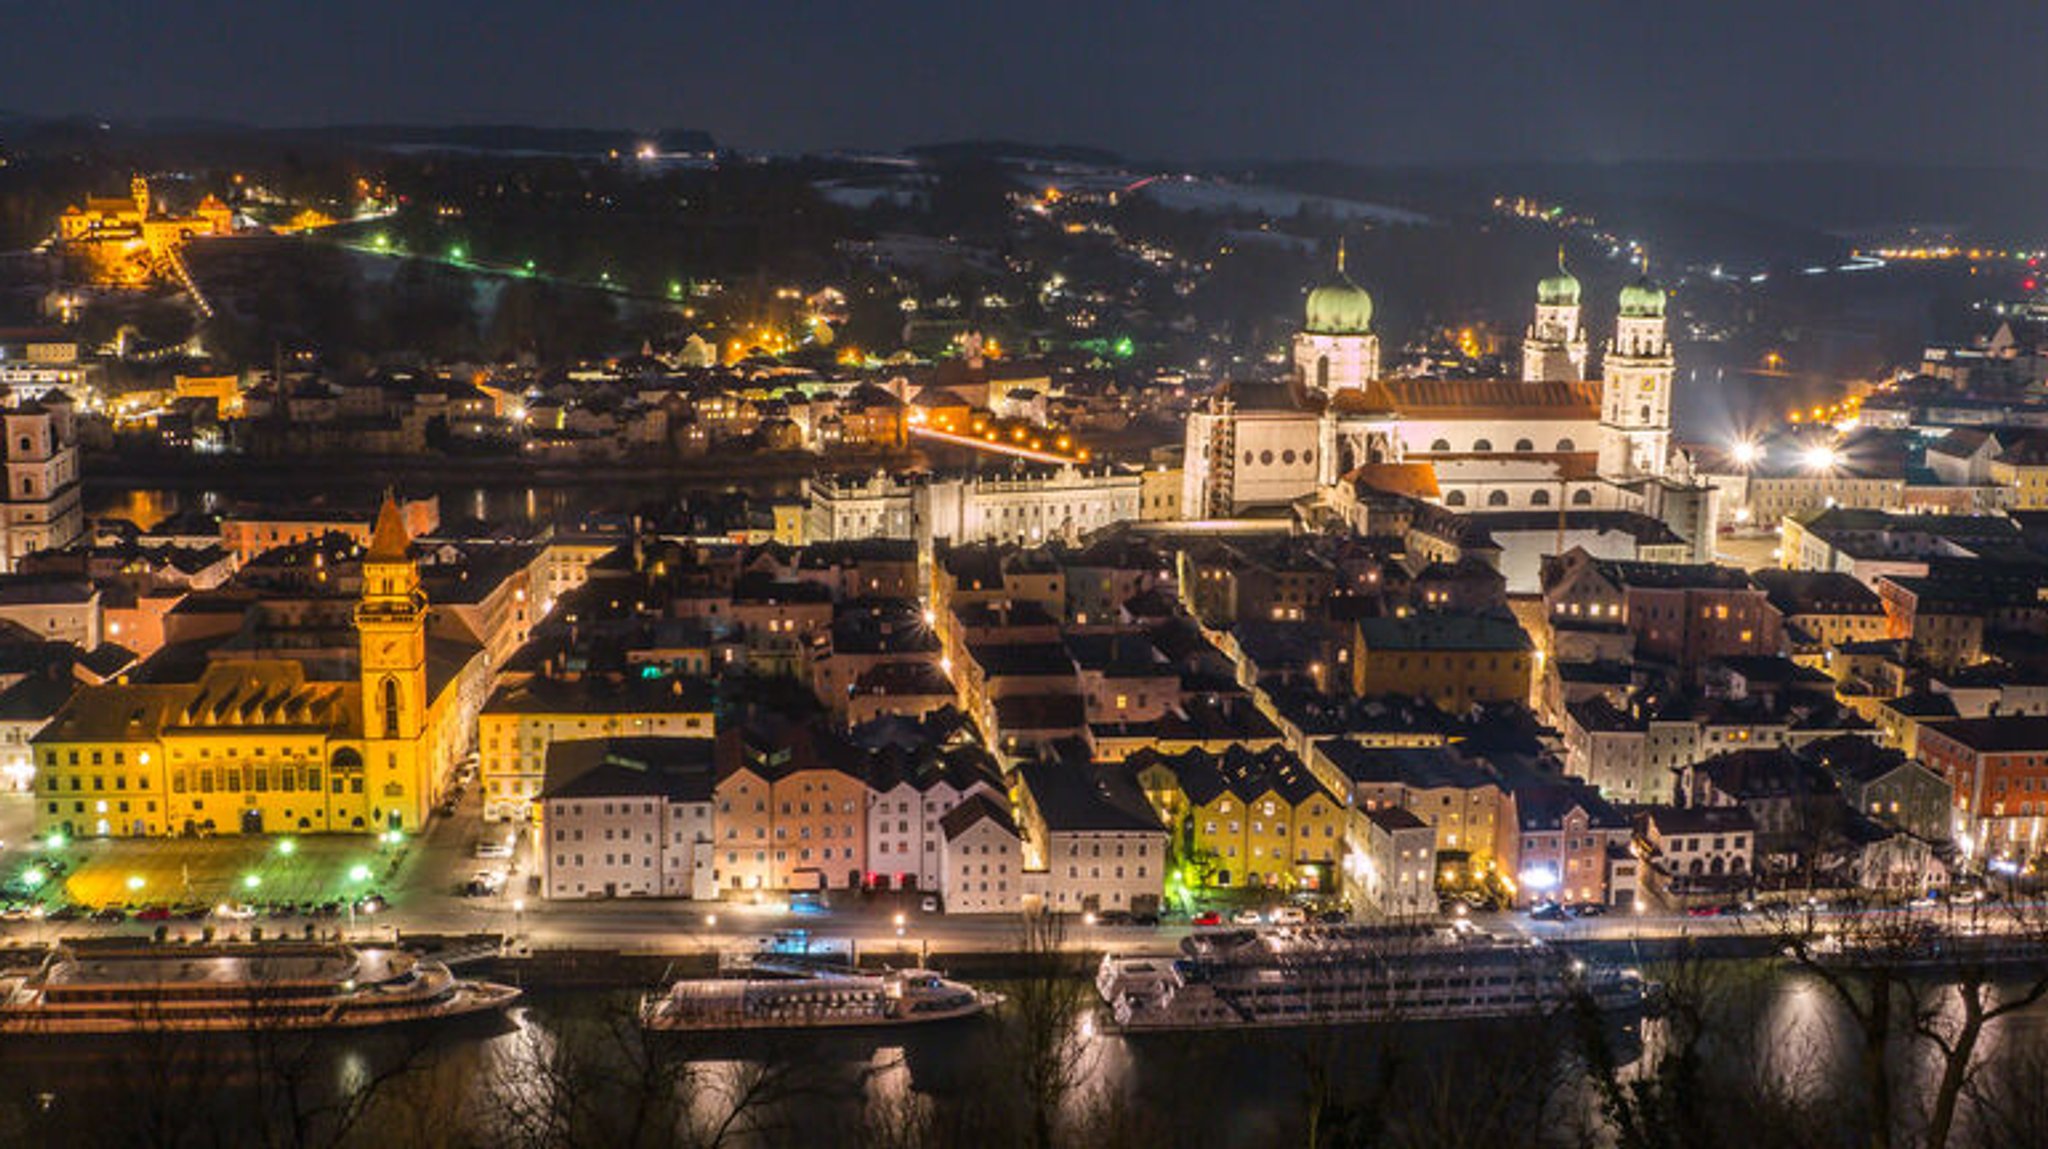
(568, 1068)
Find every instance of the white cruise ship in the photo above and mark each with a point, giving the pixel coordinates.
(87, 988)
(1351, 975)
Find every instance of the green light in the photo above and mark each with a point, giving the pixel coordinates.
(359, 873)
(287, 847)
(380, 241)
(675, 290)
(251, 881)
(1124, 348)
(456, 253)
(34, 877)
(529, 267)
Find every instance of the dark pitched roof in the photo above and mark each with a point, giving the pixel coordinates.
(1999, 734)
(673, 769)
(1083, 798)
(978, 807)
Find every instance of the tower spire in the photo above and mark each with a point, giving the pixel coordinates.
(1340, 255)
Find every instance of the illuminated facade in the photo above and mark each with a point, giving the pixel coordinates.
(125, 242)
(263, 742)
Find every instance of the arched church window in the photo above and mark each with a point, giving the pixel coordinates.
(1582, 498)
(391, 708)
(1322, 372)
(1524, 445)
(1566, 445)
(1440, 445)
(1497, 499)
(1455, 499)
(1482, 445)
(1539, 498)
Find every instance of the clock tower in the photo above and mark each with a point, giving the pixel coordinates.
(391, 625)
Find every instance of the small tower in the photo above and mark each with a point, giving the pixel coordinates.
(391, 625)
(138, 190)
(1336, 349)
(1635, 398)
(1554, 350)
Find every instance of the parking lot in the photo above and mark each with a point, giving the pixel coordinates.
(133, 873)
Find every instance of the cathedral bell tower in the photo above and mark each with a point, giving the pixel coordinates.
(1336, 349)
(391, 625)
(1554, 350)
(1635, 393)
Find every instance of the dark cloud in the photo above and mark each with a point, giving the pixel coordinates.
(1409, 82)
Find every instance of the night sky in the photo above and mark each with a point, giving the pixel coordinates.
(1186, 79)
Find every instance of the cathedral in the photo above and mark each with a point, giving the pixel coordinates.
(1553, 441)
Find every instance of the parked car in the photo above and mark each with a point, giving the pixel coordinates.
(1114, 918)
(234, 911)
(1588, 910)
(371, 904)
(327, 909)
(65, 913)
(1144, 919)
(929, 903)
(1288, 916)
(1548, 912)
(1704, 911)
(1246, 918)
(1206, 918)
(153, 913)
(110, 914)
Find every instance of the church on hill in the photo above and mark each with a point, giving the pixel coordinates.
(1554, 440)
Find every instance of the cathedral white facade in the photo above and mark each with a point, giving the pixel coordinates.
(1552, 440)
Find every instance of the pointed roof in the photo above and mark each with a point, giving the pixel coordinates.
(390, 542)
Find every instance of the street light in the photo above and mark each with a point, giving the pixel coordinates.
(359, 873)
(251, 881)
(135, 883)
(1819, 458)
(1747, 453)
(287, 847)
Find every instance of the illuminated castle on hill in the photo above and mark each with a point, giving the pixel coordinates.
(116, 242)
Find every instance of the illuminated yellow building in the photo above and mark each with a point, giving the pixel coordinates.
(261, 741)
(1452, 660)
(123, 242)
(524, 718)
(1244, 818)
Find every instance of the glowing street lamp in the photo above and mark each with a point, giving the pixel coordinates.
(287, 847)
(1747, 454)
(135, 883)
(251, 881)
(359, 873)
(1819, 458)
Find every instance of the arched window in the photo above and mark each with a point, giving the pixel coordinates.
(1524, 445)
(1455, 499)
(1539, 498)
(1322, 372)
(391, 708)
(1565, 445)
(1440, 445)
(1582, 498)
(1482, 445)
(1497, 499)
